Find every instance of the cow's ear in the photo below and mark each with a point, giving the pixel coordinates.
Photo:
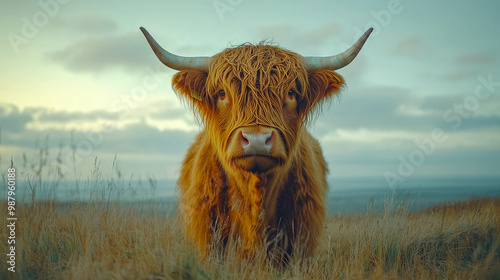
(191, 86)
(322, 85)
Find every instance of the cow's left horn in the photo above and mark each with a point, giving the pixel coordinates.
(174, 61)
(337, 61)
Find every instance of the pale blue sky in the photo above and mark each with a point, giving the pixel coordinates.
(72, 65)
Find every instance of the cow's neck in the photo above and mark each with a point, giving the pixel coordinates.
(253, 200)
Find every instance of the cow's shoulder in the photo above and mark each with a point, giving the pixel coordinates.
(307, 175)
(311, 155)
(200, 163)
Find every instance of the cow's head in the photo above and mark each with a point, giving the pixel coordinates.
(254, 99)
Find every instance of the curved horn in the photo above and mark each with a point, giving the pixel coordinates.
(338, 61)
(174, 61)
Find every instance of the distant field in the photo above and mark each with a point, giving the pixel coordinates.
(346, 196)
(101, 240)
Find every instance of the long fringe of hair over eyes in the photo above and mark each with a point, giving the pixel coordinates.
(261, 74)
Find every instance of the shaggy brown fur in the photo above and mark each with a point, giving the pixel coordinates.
(282, 208)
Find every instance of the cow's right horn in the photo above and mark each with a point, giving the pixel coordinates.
(174, 61)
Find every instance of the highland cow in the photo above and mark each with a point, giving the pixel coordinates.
(254, 175)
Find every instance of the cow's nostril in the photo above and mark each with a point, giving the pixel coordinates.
(244, 140)
(269, 140)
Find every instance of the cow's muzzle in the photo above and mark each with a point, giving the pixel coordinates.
(257, 143)
(256, 149)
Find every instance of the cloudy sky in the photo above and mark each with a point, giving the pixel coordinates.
(422, 98)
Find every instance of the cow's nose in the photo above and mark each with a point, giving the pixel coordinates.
(257, 143)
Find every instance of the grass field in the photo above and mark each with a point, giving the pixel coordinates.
(101, 240)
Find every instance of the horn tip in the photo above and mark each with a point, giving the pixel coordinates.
(369, 31)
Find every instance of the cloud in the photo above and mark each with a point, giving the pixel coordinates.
(90, 24)
(473, 59)
(412, 46)
(457, 76)
(142, 138)
(130, 51)
(95, 54)
(13, 120)
(321, 34)
(398, 109)
(63, 116)
(141, 149)
(309, 39)
(281, 33)
(19, 125)
(373, 108)
(367, 161)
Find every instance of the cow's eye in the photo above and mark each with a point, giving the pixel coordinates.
(291, 94)
(222, 94)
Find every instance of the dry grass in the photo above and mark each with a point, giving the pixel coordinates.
(101, 239)
(105, 241)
